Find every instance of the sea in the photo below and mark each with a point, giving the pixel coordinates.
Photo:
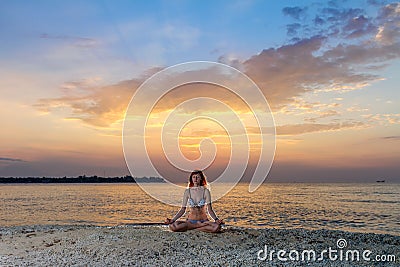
(354, 207)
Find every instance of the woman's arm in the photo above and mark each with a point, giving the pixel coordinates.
(209, 206)
(179, 214)
(183, 208)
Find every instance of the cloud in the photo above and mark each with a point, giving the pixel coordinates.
(105, 105)
(297, 129)
(384, 119)
(301, 107)
(99, 107)
(320, 63)
(344, 24)
(394, 137)
(376, 2)
(292, 70)
(303, 128)
(294, 12)
(358, 27)
(232, 60)
(281, 130)
(324, 114)
(318, 21)
(388, 33)
(356, 54)
(356, 109)
(11, 159)
(293, 28)
(330, 60)
(337, 14)
(77, 41)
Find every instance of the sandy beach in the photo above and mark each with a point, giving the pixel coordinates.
(158, 246)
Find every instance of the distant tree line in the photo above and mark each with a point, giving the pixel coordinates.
(81, 179)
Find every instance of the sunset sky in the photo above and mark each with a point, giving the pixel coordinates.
(329, 70)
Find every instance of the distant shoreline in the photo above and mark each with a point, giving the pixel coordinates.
(129, 179)
(79, 179)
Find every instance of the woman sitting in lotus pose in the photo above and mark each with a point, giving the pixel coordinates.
(198, 197)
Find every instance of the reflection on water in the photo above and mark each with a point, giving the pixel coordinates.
(351, 207)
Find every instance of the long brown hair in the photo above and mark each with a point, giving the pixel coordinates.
(203, 180)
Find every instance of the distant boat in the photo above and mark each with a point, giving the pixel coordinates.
(380, 181)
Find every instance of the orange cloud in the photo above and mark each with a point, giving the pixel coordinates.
(296, 129)
(99, 107)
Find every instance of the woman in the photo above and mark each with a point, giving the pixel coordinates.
(198, 197)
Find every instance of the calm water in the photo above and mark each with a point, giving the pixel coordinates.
(352, 207)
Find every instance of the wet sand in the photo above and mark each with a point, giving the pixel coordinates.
(158, 246)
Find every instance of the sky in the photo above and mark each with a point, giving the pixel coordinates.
(328, 69)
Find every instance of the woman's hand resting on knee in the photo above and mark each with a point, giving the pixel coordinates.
(168, 221)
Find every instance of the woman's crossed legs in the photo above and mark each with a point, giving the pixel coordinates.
(205, 226)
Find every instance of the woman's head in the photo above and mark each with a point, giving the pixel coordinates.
(199, 178)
